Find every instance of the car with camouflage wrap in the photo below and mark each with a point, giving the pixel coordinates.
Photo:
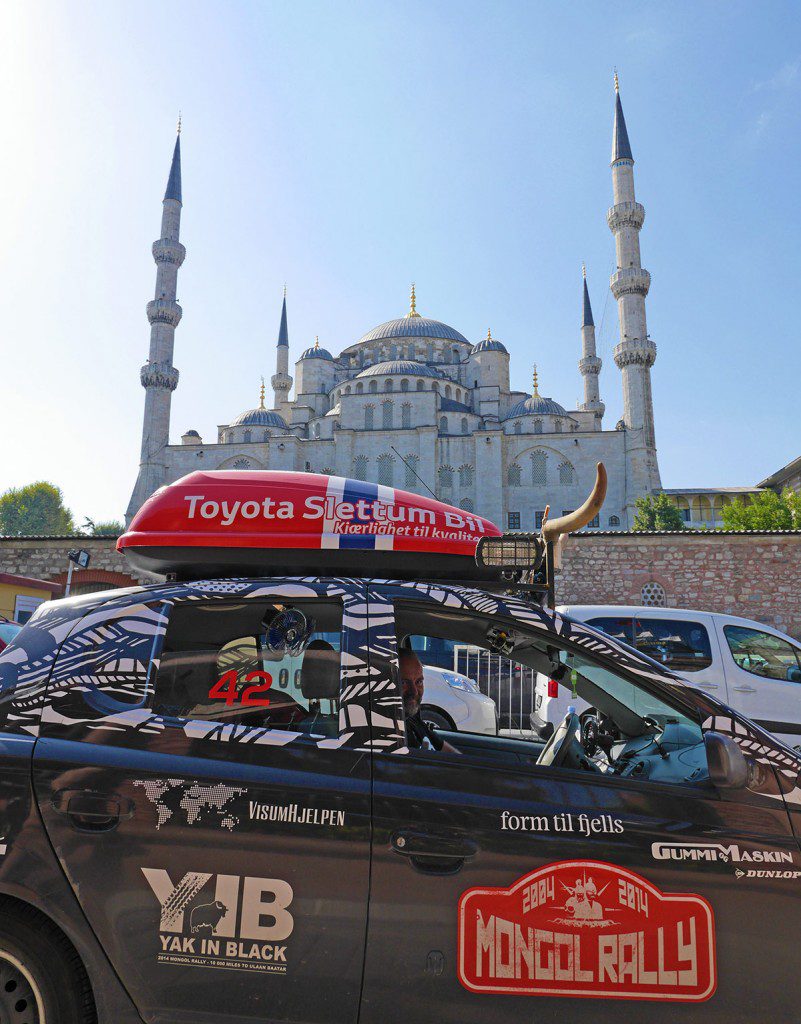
(211, 809)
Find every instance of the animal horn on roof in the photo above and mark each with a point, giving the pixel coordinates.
(554, 528)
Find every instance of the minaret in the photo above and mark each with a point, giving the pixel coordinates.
(589, 364)
(635, 354)
(281, 380)
(158, 376)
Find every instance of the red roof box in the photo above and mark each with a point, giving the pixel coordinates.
(234, 523)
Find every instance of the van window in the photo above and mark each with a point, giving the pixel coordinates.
(254, 663)
(620, 628)
(680, 646)
(763, 654)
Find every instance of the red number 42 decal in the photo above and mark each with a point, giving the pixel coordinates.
(226, 689)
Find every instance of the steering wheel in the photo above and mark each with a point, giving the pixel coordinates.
(564, 746)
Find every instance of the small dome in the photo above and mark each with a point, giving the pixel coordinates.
(191, 433)
(489, 345)
(413, 327)
(402, 367)
(260, 417)
(315, 352)
(536, 405)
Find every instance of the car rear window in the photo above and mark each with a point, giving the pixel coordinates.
(682, 646)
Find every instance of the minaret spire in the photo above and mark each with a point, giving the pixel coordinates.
(589, 364)
(281, 380)
(635, 354)
(158, 376)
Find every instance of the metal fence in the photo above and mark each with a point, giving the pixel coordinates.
(511, 685)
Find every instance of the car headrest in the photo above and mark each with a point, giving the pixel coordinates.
(319, 676)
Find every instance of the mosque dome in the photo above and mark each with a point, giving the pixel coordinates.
(403, 367)
(489, 344)
(315, 352)
(413, 326)
(260, 417)
(536, 405)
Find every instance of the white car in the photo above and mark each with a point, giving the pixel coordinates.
(753, 668)
(452, 701)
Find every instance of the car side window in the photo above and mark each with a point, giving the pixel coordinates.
(763, 654)
(681, 646)
(619, 627)
(254, 663)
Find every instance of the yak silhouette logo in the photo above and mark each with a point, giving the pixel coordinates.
(205, 917)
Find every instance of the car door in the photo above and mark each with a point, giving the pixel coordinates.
(493, 877)
(764, 674)
(200, 776)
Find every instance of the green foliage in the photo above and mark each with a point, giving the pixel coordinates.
(657, 512)
(764, 511)
(34, 510)
(110, 528)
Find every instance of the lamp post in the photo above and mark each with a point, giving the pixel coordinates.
(79, 557)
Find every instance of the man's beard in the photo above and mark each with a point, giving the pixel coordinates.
(411, 707)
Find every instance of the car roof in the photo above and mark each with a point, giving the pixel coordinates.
(584, 611)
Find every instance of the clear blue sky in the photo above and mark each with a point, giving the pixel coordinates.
(349, 149)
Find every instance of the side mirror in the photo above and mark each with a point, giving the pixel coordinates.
(728, 768)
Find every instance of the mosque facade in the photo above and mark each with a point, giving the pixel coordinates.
(415, 404)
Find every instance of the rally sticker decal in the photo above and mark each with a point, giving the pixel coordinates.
(585, 928)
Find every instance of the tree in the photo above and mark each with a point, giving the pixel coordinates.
(764, 511)
(35, 510)
(109, 528)
(657, 513)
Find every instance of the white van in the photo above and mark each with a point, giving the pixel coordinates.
(752, 667)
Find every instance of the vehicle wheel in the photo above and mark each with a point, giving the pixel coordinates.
(436, 719)
(42, 979)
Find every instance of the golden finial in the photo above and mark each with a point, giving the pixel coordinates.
(536, 393)
(584, 270)
(317, 341)
(489, 334)
(179, 122)
(261, 394)
(617, 83)
(412, 304)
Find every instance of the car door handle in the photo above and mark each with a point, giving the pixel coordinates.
(92, 812)
(744, 689)
(433, 854)
(708, 686)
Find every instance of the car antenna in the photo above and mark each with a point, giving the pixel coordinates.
(410, 467)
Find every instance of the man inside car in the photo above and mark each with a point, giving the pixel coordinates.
(419, 734)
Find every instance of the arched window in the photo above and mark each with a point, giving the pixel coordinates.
(614, 520)
(653, 595)
(518, 426)
(386, 415)
(241, 464)
(373, 386)
(411, 480)
(567, 474)
(266, 435)
(447, 391)
(558, 426)
(316, 430)
(404, 385)
(406, 415)
(434, 385)
(386, 470)
(463, 425)
(446, 478)
(393, 351)
(388, 385)
(443, 424)
(539, 469)
(360, 388)
(513, 475)
(465, 476)
(360, 467)
(421, 385)
(246, 437)
(537, 426)
(347, 390)
(368, 417)
(327, 471)
(467, 505)
(455, 354)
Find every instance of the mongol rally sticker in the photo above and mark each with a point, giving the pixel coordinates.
(585, 928)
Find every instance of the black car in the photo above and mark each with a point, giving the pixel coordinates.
(210, 812)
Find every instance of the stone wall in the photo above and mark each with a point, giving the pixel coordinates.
(756, 575)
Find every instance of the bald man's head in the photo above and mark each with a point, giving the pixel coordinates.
(412, 685)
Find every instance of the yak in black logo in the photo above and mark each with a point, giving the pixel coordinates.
(205, 917)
